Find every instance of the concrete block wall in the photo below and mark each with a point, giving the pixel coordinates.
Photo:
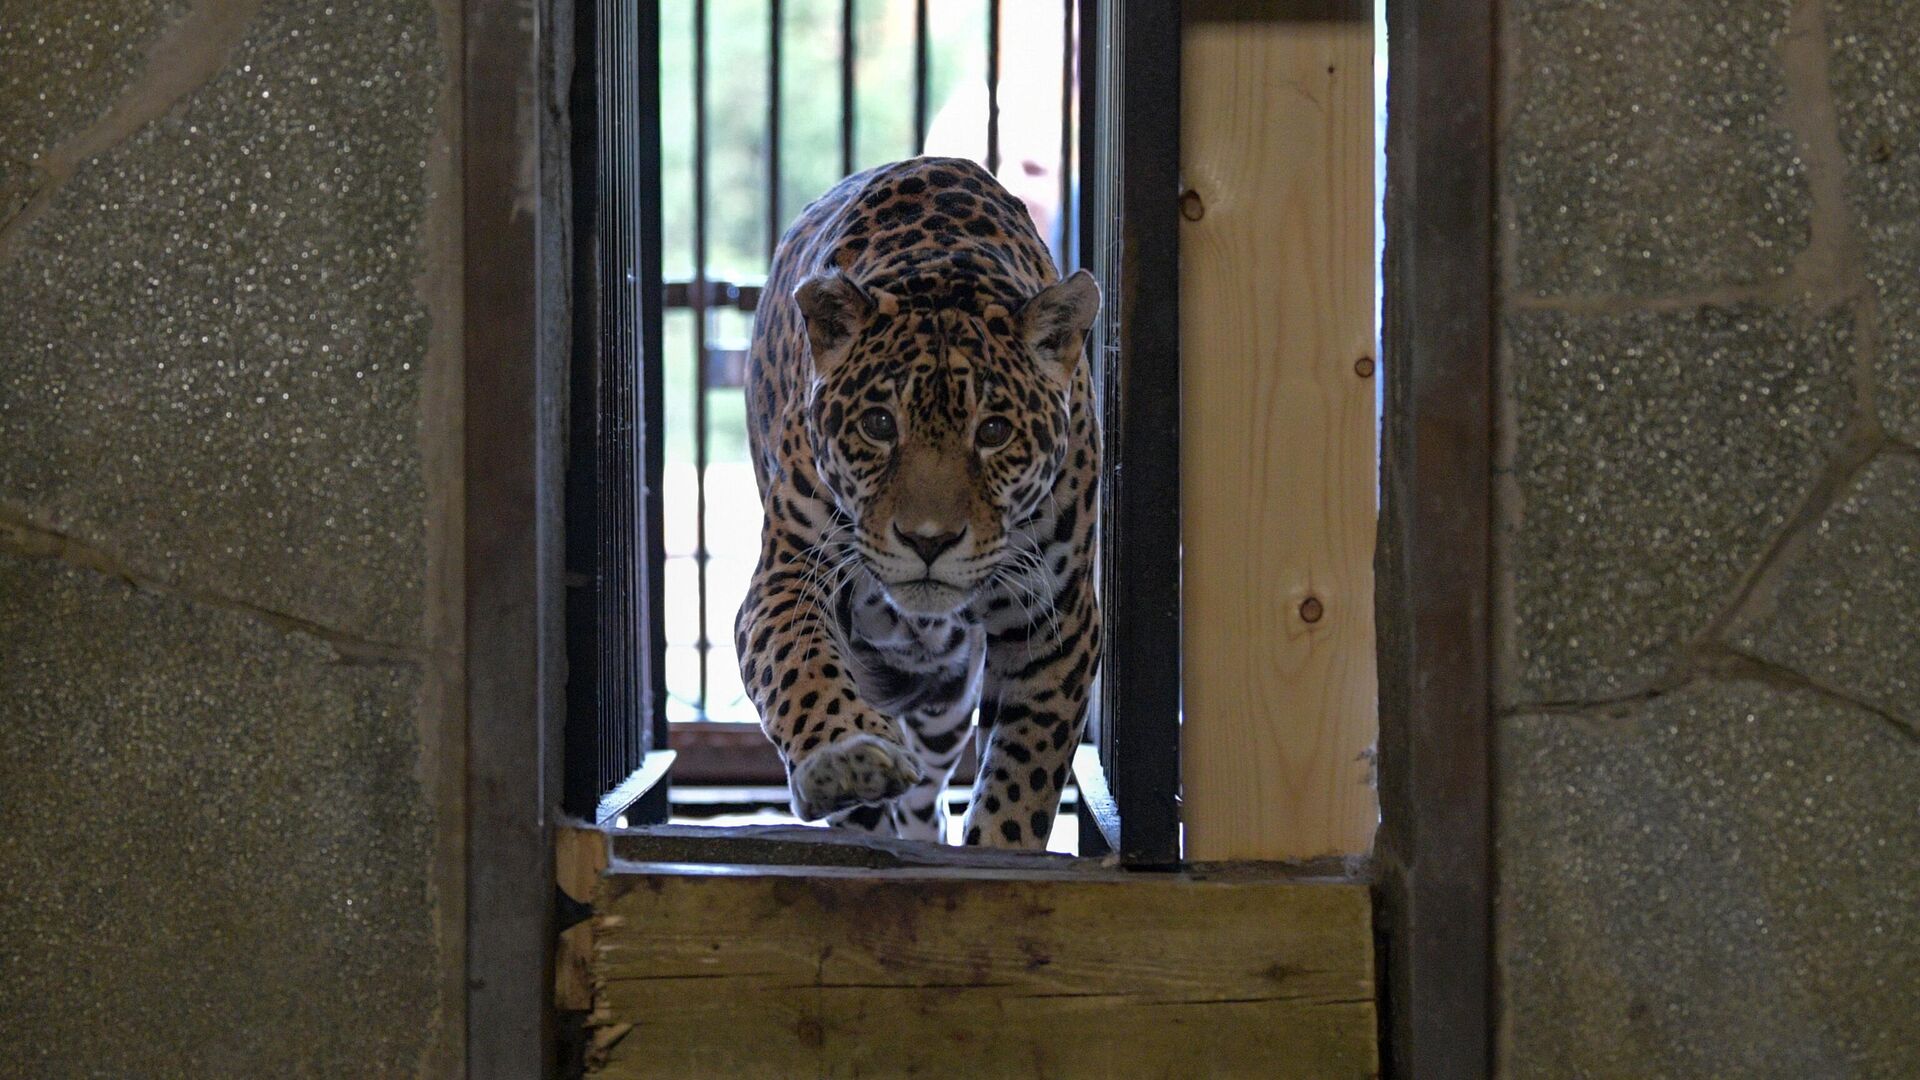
(228, 631)
(1708, 539)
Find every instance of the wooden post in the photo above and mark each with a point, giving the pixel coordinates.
(1278, 453)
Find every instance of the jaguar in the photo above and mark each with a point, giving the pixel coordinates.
(925, 441)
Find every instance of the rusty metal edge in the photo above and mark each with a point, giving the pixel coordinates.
(1434, 859)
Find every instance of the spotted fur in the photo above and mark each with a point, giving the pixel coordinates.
(924, 435)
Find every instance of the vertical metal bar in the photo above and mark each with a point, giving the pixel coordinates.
(1087, 44)
(774, 23)
(846, 87)
(993, 86)
(1063, 211)
(919, 76)
(585, 745)
(1141, 679)
(1094, 230)
(615, 421)
(616, 356)
(632, 546)
(1436, 595)
(607, 352)
(699, 302)
(1106, 231)
(645, 201)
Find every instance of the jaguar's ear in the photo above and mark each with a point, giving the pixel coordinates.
(1055, 322)
(834, 308)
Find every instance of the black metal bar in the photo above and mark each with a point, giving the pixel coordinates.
(610, 245)
(653, 366)
(1099, 814)
(1093, 842)
(655, 804)
(619, 361)
(1063, 210)
(633, 638)
(641, 796)
(919, 76)
(1087, 45)
(701, 645)
(1092, 200)
(1141, 520)
(846, 87)
(775, 21)
(993, 87)
(585, 745)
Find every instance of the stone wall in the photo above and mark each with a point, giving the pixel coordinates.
(228, 651)
(1708, 531)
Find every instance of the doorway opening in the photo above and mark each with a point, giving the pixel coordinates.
(769, 104)
(718, 120)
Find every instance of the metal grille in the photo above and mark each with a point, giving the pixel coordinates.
(613, 719)
(701, 599)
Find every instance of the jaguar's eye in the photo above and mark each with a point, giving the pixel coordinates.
(877, 424)
(994, 431)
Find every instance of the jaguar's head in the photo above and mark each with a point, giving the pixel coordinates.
(936, 429)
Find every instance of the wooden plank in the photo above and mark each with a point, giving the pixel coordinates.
(1278, 426)
(579, 858)
(841, 975)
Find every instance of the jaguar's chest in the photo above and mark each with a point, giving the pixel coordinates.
(910, 664)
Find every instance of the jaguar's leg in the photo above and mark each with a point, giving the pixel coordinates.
(1035, 695)
(874, 819)
(936, 725)
(921, 814)
(839, 752)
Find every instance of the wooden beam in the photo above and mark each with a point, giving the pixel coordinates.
(1278, 475)
(837, 972)
(515, 318)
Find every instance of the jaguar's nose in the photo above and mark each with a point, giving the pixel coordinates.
(928, 548)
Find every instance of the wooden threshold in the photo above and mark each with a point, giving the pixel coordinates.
(899, 962)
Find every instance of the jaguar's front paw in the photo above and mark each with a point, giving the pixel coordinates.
(852, 771)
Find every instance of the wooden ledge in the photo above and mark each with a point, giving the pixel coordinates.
(1002, 965)
(800, 848)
